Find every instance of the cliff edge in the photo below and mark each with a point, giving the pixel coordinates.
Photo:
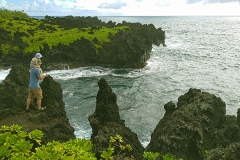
(53, 121)
(70, 42)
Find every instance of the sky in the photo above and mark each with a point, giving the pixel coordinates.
(124, 7)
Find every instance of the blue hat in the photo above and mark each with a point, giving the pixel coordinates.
(38, 55)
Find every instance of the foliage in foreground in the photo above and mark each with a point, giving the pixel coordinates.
(116, 145)
(16, 144)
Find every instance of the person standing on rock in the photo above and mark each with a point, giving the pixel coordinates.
(35, 90)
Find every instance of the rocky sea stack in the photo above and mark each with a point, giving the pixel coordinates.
(106, 122)
(53, 121)
(196, 128)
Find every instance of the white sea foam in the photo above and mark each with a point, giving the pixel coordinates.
(79, 72)
(3, 74)
(82, 133)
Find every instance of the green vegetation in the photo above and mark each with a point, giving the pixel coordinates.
(154, 156)
(16, 144)
(150, 155)
(168, 157)
(115, 143)
(34, 33)
(7, 14)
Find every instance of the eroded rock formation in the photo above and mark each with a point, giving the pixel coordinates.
(13, 95)
(197, 124)
(106, 122)
(196, 128)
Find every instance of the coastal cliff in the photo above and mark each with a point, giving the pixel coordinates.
(53, 121)
(197, 127)
(70, 42)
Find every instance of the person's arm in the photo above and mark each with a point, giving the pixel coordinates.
(41, 74)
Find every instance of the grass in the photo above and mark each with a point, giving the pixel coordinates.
(35, 33)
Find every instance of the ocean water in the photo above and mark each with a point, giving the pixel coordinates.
(201, 52)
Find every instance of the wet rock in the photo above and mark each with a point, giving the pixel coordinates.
(14, 90)
(198, 123)
(238, 117)
(106, 122)
(169, 107)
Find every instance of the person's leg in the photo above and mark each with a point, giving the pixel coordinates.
(39, 100)
(29, 99)
(28, 103)
(39, 103)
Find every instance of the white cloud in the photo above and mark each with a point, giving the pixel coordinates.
(213, 9)
(172, 7)
(124, 7)
(3, 3)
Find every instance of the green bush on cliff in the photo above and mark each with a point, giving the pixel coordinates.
(15, 142)
(72, 149)
(150, 155)
(18, 144)
(34, 33)
(116, 144)
(7, 14)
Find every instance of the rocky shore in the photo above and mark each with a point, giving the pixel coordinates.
(197, 127)
(53, 121)
(77, 41)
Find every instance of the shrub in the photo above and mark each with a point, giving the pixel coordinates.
(76, 149)
(116, 146)
(150, 155)
(16, 144)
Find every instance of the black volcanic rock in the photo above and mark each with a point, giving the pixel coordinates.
(53, 121)
(230, 152)
(197, 128)
(169, 107)
(199, 123)
(106, 122)
(14, 90)
(238, 117)
(126, 49)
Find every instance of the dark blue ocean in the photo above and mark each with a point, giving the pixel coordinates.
(201, 52)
